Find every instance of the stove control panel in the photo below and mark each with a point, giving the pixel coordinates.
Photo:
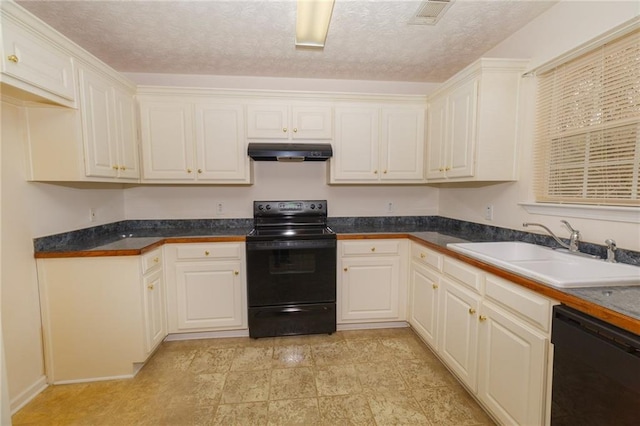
(285, 208)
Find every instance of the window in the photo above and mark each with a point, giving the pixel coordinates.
(588, 127)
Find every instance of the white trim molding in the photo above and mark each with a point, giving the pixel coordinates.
(610, 213)
(28, 394)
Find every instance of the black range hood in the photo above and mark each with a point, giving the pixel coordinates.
(290, 151)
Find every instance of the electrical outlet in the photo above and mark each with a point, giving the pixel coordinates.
(390, 207)
(488, 212)
(92, 215)
(219, 209)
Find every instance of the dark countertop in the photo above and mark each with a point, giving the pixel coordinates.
(620, 300)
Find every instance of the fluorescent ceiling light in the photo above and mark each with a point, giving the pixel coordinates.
(312, 22)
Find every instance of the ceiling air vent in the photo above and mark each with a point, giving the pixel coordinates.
(430, 12)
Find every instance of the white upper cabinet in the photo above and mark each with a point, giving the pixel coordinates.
(108, 126)
(472, 124)
(166, 129)
(189, 140)
(220, 143)
(126, 134)
(402, 144)
(285, 121)
(96, 142)
(378, 144)
(34, 64)
(355, 156)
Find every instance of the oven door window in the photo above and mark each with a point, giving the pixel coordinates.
(291, 262)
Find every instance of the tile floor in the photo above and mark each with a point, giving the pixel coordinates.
(366, 377)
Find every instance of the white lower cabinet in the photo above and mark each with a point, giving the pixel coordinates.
(206, 287)
(424, 293)
(512, 367)
(494, 335)
(99, 316)
(371, 281)
(154, 312)
(154, 305)
(423, 310)
(458, 333)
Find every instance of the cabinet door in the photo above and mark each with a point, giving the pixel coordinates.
(220, 143)
(423, 314)
(167, 140)
(355, 157)
(402, 144)
(512, 368)
(463, 103)
(98, 125)
(458, 331)
(369, 289)
(36, 62)
(311, 122)
(209, 295)
(126, 134)
(436, 138)
(154, 312)
(268, 121)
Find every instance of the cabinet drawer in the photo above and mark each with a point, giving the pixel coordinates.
(426, 256)
(151, 260)
(530, 306)
(210, 251)
(359, 248)
(464, 273)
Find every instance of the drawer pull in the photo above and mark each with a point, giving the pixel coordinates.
(236, 272)
(373, 249)
(435, 286)
(13, 58)
(150, 286)
(156, 260)
(472, 311)
(284, 130)
(422, 255)
(206, 253)
(295, 130)
(346, 269)
(482, 318)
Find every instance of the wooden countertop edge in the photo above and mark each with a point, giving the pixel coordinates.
(605, 314)
(137, 252)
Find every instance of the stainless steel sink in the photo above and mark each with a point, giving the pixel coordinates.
(549, 266)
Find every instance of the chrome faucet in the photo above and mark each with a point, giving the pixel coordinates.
(611, 250)
(573, 239)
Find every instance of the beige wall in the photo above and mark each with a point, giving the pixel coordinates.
(29, 210)
(278, 181)
(560, 29)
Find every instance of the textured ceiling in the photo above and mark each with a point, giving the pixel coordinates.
(368, 39)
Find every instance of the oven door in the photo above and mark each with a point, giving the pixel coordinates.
(286, 272)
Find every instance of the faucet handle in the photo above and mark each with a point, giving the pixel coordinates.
(569, 227)
(611, 250)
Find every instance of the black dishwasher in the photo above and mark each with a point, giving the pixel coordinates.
(596, 371)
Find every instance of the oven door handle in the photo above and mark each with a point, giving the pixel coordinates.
(291, 244)
(287, 311)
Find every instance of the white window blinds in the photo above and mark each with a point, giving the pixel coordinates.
(588, 130)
